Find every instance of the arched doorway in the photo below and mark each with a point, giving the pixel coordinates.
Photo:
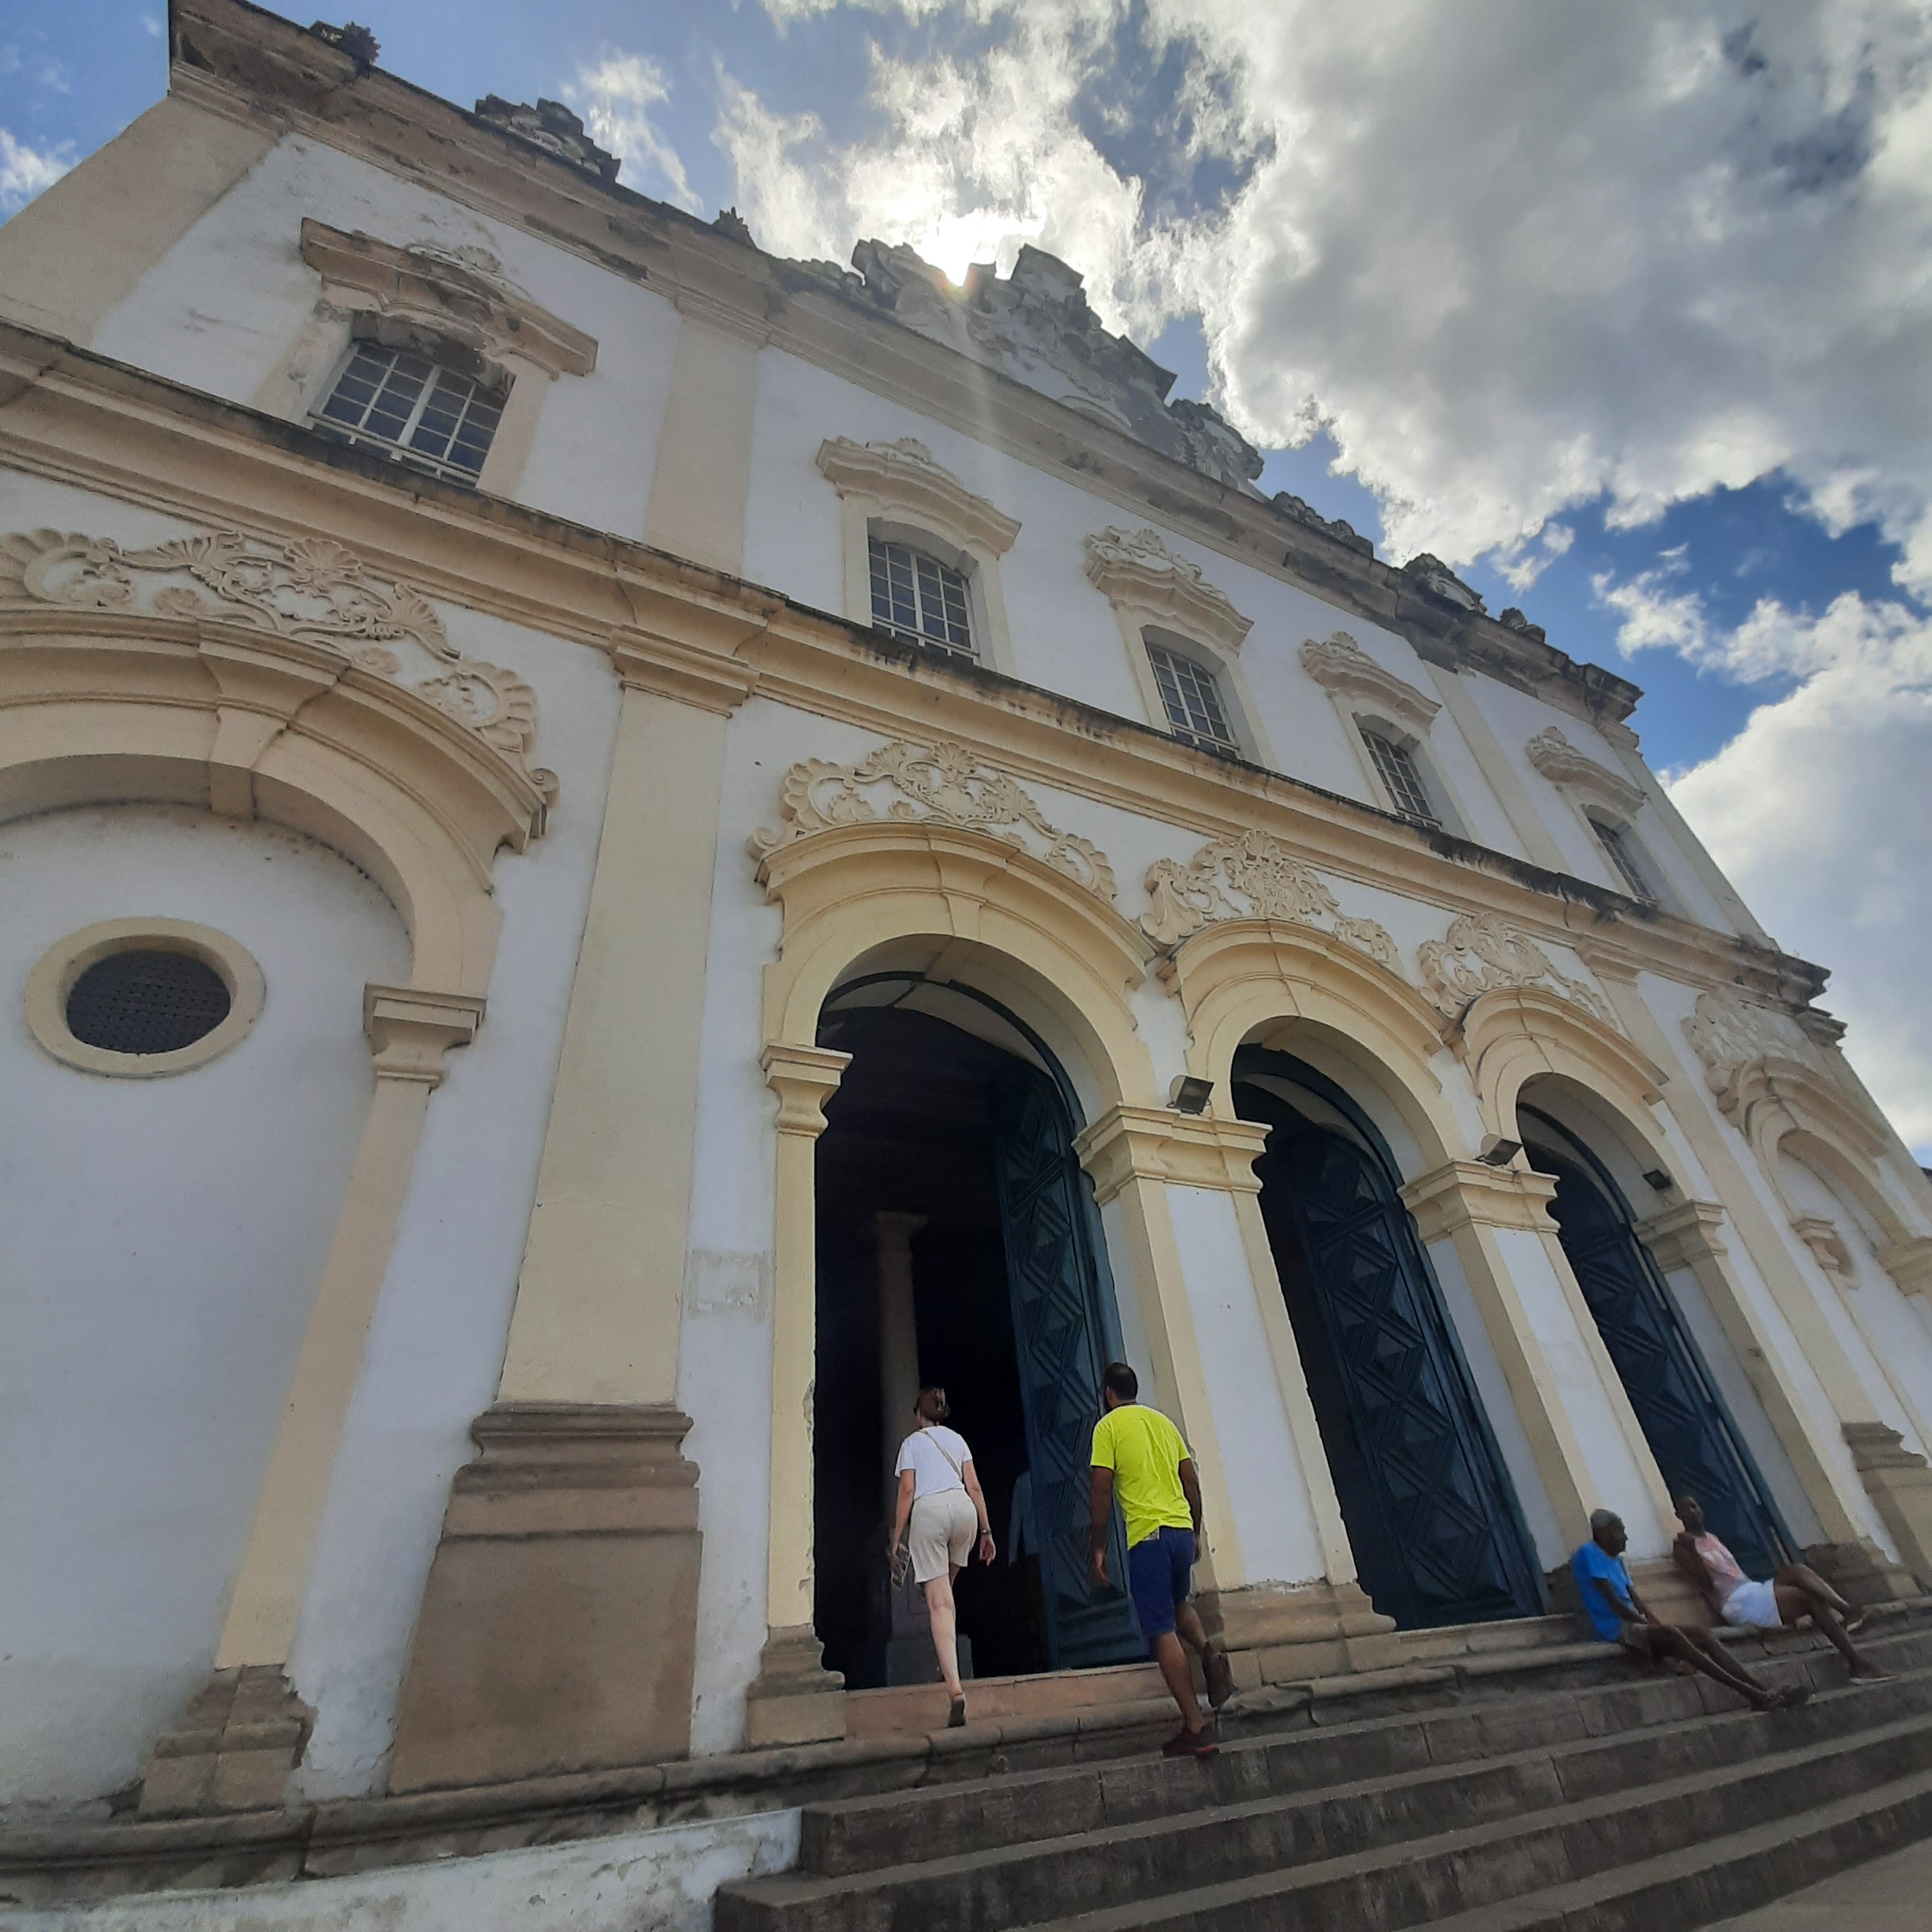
(1677, 1405)
(1431, 1513)
(958, 1244)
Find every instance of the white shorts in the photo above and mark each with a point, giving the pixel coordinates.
(1753, 1606)
(944, 1526)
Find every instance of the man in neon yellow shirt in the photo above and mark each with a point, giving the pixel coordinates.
(1139, 1457)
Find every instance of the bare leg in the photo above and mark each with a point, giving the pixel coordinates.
(1794, 1602)
(1702, 1652)
(944, 1619)
(1173, 1660)
(1803, 1577)
(1213, 1656)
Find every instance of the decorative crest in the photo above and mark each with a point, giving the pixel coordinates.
(1567, 769)
(945, 785)
(1345, 670)
(310, 589)
(1136, 572)
(1726, 1033)
(1252, 876)
(1482, 951)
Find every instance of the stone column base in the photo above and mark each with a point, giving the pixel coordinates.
(241, 1737)
(558, 1627)
(794, 1699)
(1899, 1485)
(1279, 1635)
(1860, 1572)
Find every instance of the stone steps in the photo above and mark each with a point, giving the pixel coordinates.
(1406, 1818)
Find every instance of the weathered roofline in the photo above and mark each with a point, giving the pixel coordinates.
(240, 60)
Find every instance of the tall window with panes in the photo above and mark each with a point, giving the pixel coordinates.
(919, 599)
(413, 410)
(1620, 848)
(1395, 766)
(1192, 700)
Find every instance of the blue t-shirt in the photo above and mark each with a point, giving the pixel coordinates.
(1592, 1561)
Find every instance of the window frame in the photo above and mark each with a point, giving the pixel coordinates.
(1373, 731)
(920, 545)
(1154, 639)
(443, 359)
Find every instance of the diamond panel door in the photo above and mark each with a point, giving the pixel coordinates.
(1433, 1525)
(1677, 1406)
(1044, 1210)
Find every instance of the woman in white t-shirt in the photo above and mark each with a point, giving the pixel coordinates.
(939, 1493)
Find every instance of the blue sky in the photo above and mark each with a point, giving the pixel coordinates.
(1621, 305)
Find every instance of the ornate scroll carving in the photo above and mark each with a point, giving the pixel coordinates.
(1726, 1033)
(1482, 951)
(1345, 670)
(311, 590)
(1252, 876)
(1135, 571)
(1569, 770)
(945, 785)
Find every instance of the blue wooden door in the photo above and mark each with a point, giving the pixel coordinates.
(1046, 1220)
(1430, 1514)
(1690, 1432)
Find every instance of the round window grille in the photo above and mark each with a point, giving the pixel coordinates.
(147, 1002)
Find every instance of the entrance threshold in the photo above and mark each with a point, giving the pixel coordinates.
(914, 1710)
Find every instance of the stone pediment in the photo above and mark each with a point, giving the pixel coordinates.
(1567, 769)
(1344, 669)
(1136, 572)
(903, 477)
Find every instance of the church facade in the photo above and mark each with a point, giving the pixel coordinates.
(617, 850)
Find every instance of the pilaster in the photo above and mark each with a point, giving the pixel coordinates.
(702, 481)
(559, 1628)
(794, 1699)
(246, 1731)
(1899, 1485)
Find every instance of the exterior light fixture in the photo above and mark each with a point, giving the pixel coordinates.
(1497, 1152)
(1190, 1094)
(1658, 1179)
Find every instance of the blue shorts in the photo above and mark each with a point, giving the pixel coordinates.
(1160, 1573)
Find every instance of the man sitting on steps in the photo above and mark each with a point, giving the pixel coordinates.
(1617, 1615)
(1139, 1456)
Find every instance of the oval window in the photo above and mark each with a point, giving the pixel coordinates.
(147, 1002)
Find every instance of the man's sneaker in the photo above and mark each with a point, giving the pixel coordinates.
(1219, 1674)
(1185, 1743)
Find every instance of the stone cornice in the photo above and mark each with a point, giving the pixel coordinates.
(1467, 1194)
(1138, 574)
(80, 419)
(272, 73)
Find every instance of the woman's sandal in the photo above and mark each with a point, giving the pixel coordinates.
(956, 1717)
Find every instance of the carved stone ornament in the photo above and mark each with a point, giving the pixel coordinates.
(310, 589)
(1726, 1033)
(902, 476)
(1345, 670)
(1252, 876)
(1569, 770)
(1481, 952)
(1135, 571)
(1436, 577)
(944, 784)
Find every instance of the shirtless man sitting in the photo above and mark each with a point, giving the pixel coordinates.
(1796, 1591)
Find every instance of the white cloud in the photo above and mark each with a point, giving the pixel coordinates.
(25, 171)
(615, 97)
(1513, 257)
(1817, 810)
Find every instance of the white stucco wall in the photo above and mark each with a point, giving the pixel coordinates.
(436, 1345)
(223, 308)
(162, 1242)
